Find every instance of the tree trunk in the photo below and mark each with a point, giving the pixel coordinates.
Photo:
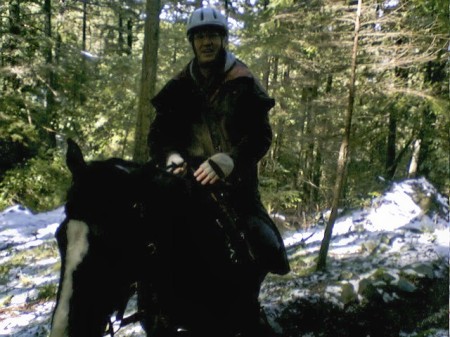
(81, 78)
(309, 93)
(275, 70)
(343, 152)
(414, 164)
(426, 134)
(121, 40)
(50, 99)
(14, 24)
(148, 80)
(14, 28)
(83, 42)
(129, 36)
(391, 166)
(317, 174)
(175, 44)
(266, 73)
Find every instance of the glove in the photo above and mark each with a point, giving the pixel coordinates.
(175, 159)
(218, 166)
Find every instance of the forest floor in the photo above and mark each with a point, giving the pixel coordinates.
(387, 272)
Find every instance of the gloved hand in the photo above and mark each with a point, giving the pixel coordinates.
(175, 159)
(218, 166)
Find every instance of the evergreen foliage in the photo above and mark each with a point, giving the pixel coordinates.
(72, 69)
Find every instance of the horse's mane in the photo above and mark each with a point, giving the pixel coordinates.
(127, 165)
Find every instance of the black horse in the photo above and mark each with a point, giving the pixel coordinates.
(98, 242)
(129, 224)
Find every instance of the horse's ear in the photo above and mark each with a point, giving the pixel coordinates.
(74, 157)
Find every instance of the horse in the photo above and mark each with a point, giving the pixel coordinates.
(137, 227)
(102, 243)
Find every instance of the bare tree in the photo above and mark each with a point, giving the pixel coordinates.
(344, 149)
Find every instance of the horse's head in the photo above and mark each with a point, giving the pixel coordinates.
(98, 241)
(101, 192)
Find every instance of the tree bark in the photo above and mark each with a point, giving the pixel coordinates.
(121, 40)
(148, 80)
(83, 43)
(414, 164)
(14, 28)
(129, 36)
(391, 166)
(266, 73)
(50, 98)
(344, 149)
(426, 134)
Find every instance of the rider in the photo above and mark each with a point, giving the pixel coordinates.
(213, 117)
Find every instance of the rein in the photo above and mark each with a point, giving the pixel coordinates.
(227, 220)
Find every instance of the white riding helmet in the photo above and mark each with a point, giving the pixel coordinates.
(206, 17)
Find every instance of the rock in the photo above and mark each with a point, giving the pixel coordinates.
(406, 286)
(345, 275)
(368, 290)
(382, 275)
(348, 294)
(369, 246)
(424, 269)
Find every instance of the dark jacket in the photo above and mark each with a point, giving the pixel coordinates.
(229, 114)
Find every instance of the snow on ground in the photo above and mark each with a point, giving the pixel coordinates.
(22, 229)
(406, 226)
(393, 211)
(404, 231)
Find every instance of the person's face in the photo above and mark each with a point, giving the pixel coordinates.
(207, 45)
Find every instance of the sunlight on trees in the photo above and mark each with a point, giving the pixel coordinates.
(84, 82)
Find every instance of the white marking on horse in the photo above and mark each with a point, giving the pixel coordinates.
(77, 248)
